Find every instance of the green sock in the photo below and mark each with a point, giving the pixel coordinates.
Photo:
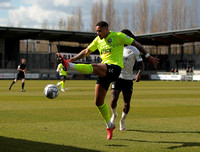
(103, 109)
(84, 68)
(63, 84)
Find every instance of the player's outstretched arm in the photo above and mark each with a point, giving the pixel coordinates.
(150, 58)
(141, 69)
(84, 53)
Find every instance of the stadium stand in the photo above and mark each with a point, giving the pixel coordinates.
(175, 49)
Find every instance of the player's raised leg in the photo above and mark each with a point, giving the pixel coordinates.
(96, 68)
(83, 68)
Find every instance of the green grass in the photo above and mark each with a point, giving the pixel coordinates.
(164, 116)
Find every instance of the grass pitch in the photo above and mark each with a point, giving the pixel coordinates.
(164, 116)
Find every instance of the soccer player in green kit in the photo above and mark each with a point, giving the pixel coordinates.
(63, 75)
(110, 45)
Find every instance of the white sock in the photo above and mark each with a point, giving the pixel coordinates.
(108, 124)
(58, 83)
(123, 116)
(114, 111)
(71, 66)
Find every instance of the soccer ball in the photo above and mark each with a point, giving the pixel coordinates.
(51, 91)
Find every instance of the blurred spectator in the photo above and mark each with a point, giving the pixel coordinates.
(189, 71)
(176, 71)
(172, 71)
(65, 57)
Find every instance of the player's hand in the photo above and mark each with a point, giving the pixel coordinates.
(137, 77)
(69, 60)
(154, 61)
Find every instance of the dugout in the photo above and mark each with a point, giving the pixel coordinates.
(10, 41)
(168, 46)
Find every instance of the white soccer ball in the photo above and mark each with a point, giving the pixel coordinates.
(51, 91)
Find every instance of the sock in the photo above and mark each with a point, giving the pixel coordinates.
(63, 85)
(12, 84)
(123, 116)
(59, 83)
(71, 66)
(114, 111)
(23, 83)
(83, 68)
(103, 109)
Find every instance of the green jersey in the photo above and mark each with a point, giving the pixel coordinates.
(111, 47)
(62, 71)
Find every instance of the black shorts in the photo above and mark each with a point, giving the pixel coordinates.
(62, 77)
(113, 72)
(123, 85)
(20, 76)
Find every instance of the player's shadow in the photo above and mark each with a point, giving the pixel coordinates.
(116, 145)
(168, 132)
(178, 144)
(20, 145)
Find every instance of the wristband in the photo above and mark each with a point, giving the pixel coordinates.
(147, 55)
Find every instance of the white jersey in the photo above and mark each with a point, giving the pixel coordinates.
(130, 54)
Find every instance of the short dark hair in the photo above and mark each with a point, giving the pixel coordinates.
(128, 32)
(102, 24)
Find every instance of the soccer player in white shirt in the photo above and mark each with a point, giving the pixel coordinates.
(125, 81)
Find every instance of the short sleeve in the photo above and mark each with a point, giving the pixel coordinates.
(58, 67)
(93, 46)
(124, 39)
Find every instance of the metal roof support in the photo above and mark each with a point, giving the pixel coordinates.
(169, 54)
(182, 51)
(27, 54)
(193, 55)
(50, 51)
(58, 46)
(156, 50)
(2, 52)
(193, 49)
